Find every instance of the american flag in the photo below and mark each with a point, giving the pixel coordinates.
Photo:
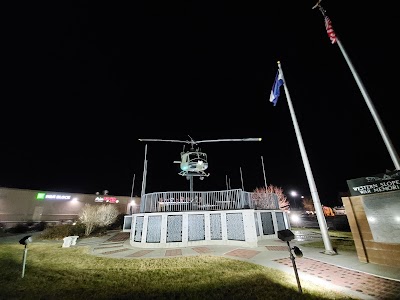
(329, 29)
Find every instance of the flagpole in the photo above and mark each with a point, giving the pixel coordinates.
(144, 171)
(310, 178)
(392, 152)
(381, 128)
(133, 185)
(241, 178)
(265, 180)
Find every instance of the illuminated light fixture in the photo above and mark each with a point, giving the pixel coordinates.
(286, 235)
(295, 218)
(25, 241)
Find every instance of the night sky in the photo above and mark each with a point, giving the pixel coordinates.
(83, 82)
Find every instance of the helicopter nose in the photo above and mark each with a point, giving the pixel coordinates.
(201, 165)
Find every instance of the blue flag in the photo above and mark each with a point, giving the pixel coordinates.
(276, 88)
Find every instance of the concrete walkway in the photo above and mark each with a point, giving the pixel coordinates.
(342, 272)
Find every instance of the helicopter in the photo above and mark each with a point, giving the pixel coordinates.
(194, 162)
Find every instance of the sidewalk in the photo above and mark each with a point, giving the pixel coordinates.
(343, 272)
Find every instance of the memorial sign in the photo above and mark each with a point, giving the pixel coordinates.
(380, 183)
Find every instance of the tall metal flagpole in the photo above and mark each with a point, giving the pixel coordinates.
(377, 119)
(133, 185)
(265, 180)
(144, 172)
(310, 178)
(142, 202)
(241, 178)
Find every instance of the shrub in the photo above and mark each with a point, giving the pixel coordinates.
(118, 223)
(19, 228)
(94, 216)
(61, 231)
(2, 228)
(99, 231)
(39, 226)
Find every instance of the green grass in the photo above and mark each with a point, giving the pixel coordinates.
(341, 240)
(53, 272)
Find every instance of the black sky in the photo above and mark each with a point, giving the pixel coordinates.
(84, 81)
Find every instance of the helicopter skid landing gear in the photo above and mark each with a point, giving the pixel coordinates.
(193, 174)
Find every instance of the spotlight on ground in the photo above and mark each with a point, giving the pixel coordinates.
(286, 235)
(25, 241)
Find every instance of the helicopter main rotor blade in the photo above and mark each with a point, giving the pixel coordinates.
(231, 140)
(193, 142)
(157, 140)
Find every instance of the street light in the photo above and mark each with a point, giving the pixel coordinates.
(294, 195)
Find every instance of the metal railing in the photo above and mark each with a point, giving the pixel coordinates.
(214, 200)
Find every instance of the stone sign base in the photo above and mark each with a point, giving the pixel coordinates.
(375, 224)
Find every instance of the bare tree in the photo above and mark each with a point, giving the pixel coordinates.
(266, 198)
(308, 204)
(89, 217)
(283, 201)
(97, 215)
(107, 214)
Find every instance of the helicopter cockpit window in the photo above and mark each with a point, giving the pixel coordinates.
(195, 156)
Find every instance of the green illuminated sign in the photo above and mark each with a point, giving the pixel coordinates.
(45, 196)
(40, 196)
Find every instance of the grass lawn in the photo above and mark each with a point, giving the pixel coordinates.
(53, 272)
(341, 240)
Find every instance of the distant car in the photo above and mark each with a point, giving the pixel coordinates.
(339, 210)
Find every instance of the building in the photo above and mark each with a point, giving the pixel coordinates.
(22, 205)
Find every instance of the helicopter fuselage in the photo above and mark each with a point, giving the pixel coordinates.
(193, 162)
